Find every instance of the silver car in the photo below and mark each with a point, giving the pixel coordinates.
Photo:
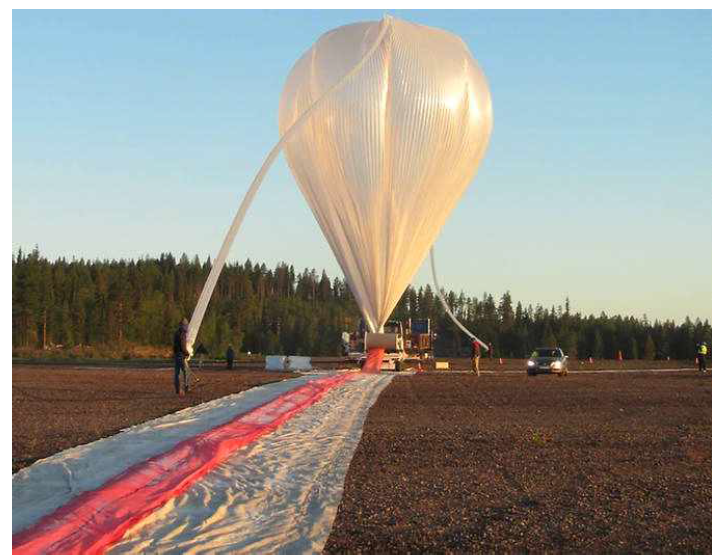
(548, 360)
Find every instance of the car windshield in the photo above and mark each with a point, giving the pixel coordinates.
(546, 353)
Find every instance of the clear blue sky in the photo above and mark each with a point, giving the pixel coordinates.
(138, 133)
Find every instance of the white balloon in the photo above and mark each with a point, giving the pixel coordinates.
(383, 125)
(384, 159)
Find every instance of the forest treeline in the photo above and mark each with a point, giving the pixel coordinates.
(123, 303)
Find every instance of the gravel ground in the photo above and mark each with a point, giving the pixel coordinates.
(498, 365)
(503, 463)
(55, 408)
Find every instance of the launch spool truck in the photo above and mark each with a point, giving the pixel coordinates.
(401, 340)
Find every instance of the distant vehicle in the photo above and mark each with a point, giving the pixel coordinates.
(548, 360)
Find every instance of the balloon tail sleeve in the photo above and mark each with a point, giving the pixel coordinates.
(220, 259)
(447, 308)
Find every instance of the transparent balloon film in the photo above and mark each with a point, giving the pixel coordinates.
(383, 125)
(384, 159)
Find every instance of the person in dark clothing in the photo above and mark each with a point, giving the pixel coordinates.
(229, 357)
(181, 355)
(200, 353)
(476, 356)
(701, 352)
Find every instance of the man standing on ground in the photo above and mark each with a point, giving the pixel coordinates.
(229, 358)
(701, 352)
(181, 354)
(476, 355)
(200, 353)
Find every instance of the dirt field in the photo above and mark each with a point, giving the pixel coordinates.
(590, 463)
(494, 364)
(55, 408)
(497, 365)
(454, 463)
(256, 363)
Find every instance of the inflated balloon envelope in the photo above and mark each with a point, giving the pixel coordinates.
(383, 125)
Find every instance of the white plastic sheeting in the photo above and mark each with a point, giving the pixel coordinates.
(275, 363)
(383, 125)
(50, 483)
(277, 496)
(287, 363)
(299, 363)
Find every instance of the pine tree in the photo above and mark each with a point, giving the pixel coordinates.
(505, 310)
(549, 338)
(649, 352)
(119, 303)
(634, 349)
(597, 344)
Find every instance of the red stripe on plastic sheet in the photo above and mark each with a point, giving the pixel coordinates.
(374, 360)
(94, 520)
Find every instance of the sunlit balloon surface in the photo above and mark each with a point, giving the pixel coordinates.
(384, 159)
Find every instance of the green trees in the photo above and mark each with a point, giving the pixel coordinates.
(634, 349)
(278, 310)
(548, 339)
(597, 344)
(649, 351)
